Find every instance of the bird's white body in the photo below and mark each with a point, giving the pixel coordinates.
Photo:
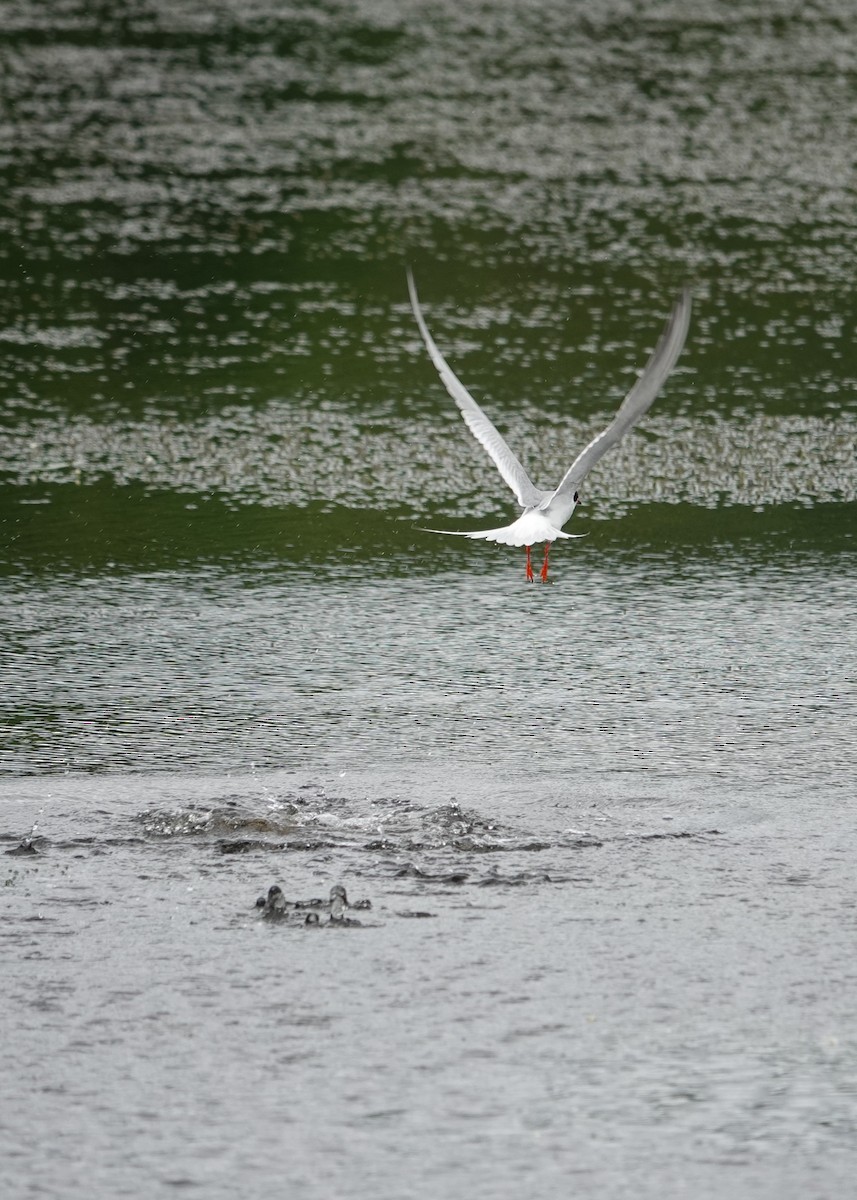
(531, 528)
(545, 512)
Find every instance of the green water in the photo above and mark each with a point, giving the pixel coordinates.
(207, 220)
(209, 362)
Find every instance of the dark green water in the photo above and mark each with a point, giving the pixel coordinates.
(221, 621)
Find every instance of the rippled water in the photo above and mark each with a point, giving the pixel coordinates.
(712, 673)
(604, 825)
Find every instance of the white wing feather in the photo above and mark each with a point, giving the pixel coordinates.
(479, 425)
(636, 403)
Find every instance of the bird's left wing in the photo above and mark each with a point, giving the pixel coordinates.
(635, 404)
(482, 429)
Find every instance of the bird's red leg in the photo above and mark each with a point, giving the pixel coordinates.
(529, 566)
(545, 563)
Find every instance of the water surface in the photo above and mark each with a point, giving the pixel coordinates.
(604, 825)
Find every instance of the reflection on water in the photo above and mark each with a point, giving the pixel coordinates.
(287, 457)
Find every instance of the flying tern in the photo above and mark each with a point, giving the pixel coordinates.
(545, 513)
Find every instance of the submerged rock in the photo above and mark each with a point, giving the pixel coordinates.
(25, 846)
(275, 906)
(338, 905)
(338, 902)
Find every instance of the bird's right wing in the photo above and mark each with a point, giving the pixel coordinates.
(478, 424)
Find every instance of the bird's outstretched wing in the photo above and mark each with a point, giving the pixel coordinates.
(635, 404)
(482, 429)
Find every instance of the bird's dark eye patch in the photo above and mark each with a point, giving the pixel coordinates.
(576, 497)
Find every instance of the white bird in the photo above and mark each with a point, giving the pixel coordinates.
(545, 513)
